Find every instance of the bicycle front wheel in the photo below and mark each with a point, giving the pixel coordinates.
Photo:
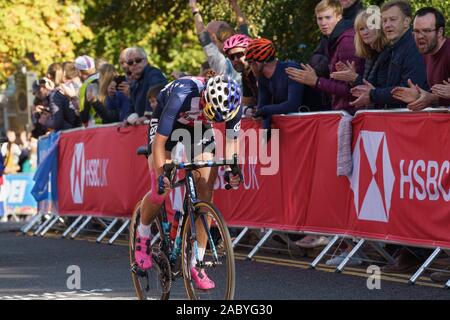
(153, 284)
(217, 262)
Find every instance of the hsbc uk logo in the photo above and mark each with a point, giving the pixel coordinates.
(86, 173)
(372, 180)
(77, 174)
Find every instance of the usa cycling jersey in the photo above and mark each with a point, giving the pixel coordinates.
(179, 102)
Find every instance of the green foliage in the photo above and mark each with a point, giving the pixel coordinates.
(36, 33)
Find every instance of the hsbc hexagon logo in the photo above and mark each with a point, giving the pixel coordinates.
(372, 180)
(77, 174)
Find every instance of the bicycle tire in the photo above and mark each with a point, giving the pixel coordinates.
(156, 292)
(225, 289)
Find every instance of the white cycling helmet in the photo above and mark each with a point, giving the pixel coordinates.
(223, 99)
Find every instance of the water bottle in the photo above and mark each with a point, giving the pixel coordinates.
(173, 230)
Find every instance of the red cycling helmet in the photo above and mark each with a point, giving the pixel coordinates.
(260, 50)
(236, 41)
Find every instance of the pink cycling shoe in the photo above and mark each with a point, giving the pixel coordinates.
(143, 253)
(201, 280)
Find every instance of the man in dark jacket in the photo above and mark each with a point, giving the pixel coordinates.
(404, 60)
(429, 33)
(145, 77)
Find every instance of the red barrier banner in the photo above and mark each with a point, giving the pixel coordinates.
(99, 172)
(399, 190)
(305, 193)
(401, 178)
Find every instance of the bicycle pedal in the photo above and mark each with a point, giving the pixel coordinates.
(138, 271)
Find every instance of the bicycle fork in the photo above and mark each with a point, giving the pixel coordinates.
(192, 199)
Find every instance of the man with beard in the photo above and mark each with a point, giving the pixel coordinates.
(234, 49)
(429, 34)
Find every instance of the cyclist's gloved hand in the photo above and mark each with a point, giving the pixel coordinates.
(163, 184)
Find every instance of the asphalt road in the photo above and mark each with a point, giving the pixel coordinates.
(36, 268)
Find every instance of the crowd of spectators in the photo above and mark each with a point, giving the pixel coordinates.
(403, 62)
(87, 92)
(18, 155)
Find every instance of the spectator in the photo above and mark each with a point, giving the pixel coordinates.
(341, 48)
(24, 149)
(234, 48)
(11, 153)
(102, 104)
(28, 156)
(89, 75)
(369, 44)
(71, 85)
(119, 89)
(30, 162)
(404, 62)
(57, 112)
(144, 76)
(351, 9)
(123, 63)
(152, 95)
(314, 98)
(277, 94)
(124, 86)
(429, 34)
(39, 113)
(214, 35)
(55, 73)
(99, 62)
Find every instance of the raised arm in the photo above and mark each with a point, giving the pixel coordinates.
(199, 25)
(240, 17)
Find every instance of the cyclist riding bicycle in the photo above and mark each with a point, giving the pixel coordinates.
(185, 104)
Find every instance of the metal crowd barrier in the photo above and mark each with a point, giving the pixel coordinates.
(43, 222)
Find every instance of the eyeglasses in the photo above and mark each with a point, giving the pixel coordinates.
(237, 55)
(423, 32)
(135, 61)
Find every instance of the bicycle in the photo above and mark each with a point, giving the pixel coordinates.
(172, 255)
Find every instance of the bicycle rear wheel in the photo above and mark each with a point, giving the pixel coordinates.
(218, 260)
(153, 284)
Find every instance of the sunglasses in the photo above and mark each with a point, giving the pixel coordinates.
(135, 61)
(237, 55)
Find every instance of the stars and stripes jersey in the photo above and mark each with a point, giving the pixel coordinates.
(179, 102)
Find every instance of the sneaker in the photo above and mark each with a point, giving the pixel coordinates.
(143, 253)
(355, 261)
(201, 279)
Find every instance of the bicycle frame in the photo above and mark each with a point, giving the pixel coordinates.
(190, 200)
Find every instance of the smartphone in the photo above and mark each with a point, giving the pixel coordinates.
(118, 80)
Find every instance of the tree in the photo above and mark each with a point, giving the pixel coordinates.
(36, 33)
